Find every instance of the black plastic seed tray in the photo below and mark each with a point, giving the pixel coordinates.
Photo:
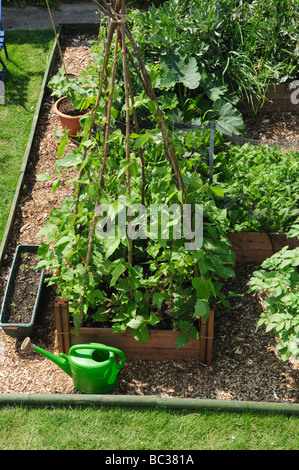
(19, 330)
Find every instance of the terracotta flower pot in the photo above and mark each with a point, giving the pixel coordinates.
(72, 123)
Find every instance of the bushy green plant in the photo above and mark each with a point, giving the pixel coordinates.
(258, 45)
(163, 276)
(230, 49)
(80, 89)
(179, 40)
(139, 274)
(261, 186)
(279, 278)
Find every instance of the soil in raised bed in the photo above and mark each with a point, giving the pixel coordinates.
(165, 317)
(272, 128)
(245, 363)
(26, 287)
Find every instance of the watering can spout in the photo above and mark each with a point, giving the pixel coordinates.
(61, 361)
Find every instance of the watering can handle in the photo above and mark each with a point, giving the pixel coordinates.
(103, 347)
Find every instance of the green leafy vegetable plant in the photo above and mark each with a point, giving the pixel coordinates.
(279, 277)
(169, 39)
(80, 89)
(219, 52)
(95, 245)
(261, 187)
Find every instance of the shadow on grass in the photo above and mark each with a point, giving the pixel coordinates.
(27, 51)
(28, 56)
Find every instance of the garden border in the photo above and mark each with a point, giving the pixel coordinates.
(255, 247)
(32, 399)
(160, 346)
(141, 401)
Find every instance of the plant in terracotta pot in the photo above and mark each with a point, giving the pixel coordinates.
(76, 93)
(66, 107)
(70, 117)
(122, 248)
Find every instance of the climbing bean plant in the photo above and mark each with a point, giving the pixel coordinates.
(100, 255)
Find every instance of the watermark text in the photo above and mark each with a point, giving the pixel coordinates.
(157, 221)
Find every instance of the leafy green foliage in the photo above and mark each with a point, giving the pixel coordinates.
(228, 54)
(261, 187)
(279, 276)
(162, 279)
(80, 89)
(176, 68)
(169, 40)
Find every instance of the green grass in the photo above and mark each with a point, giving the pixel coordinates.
(112, 428)
(28, 56)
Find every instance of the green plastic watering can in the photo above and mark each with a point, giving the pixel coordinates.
(92, 366)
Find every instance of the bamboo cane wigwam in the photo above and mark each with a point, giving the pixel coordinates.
(118, 31)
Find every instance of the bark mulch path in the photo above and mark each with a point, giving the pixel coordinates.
(245, 365)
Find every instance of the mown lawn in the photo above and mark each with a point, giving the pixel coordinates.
(28, 56)
(113, 428)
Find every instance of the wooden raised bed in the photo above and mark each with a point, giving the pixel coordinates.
(256, 247)
(280, 98)
(160, 346)
(248, 247)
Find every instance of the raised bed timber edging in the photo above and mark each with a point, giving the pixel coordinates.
(26, 155)
(160, 346)
(150, 401)
(281, 98)
(251, 247)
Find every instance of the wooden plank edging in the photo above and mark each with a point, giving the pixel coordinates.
(279, 98)
(256, 247)
(160, 346)
(66, 28)
(62, 325)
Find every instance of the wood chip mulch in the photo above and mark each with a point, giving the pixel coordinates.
(245, 365)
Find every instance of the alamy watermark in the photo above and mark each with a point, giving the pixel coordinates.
(2, 92)
(295, 94)
(157, 221)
